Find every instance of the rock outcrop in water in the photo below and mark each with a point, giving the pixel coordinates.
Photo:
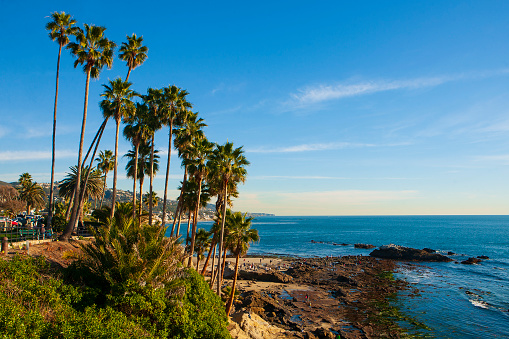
(364, 246)
(395, 252)
(471, 261)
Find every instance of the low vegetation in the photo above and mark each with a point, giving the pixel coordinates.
(129, 283)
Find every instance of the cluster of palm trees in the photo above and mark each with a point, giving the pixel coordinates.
(237, 237)
(209, 169)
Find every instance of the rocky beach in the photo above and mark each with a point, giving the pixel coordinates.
(332, 297)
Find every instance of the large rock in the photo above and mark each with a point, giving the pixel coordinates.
(406, 253)
(471, 261)
(252, 326)
(364, 246)
(267, 276)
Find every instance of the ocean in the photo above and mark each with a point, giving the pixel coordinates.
(455, 300)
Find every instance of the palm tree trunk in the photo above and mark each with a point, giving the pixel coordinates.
(104, 189)
(50, 212)
(212, 245)
(188, 223)
(181, 197)
(224, 263)
(177, 212)
(195, 219)
(180, 219)
(69, 207)
(213, 270)
(136, 150)
(230, 302)
(151, 181)
(167, 175)
(223, 219)
(113, 197)
(142, 179)
(98, 138)
(72, 223)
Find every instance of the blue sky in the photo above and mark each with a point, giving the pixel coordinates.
(343, 108)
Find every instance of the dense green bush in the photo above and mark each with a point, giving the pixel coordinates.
(38, 303)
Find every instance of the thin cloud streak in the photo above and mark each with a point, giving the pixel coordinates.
(309, 147)
(318, 177)
(34, 155)
(320, 147)
(321, 93)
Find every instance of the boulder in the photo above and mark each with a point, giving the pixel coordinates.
(252, 326)
(267, 276)
(406, 253)
(483, 257)
(364, 246)
(471, 261)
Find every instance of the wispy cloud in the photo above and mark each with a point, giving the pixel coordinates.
(325, 92)
(319, 177)
(33, 155)
(296, 177)
(309, 147)
(501, 158)
(319, 147)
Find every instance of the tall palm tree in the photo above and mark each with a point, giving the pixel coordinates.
(133, 52)
(143, 166)
(59, 29)
(228, 164)
(105, 164)
(118, 104)
(94, 51)
(199, 150)
(174, 101)
(240, 235)
(32, 194)
(189, 128)
(154, 99)
(137, 132)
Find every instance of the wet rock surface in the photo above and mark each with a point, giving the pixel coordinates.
(471, 261)
(408, 254)
(335, 297)
(364, 246)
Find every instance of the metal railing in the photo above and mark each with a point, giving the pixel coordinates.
(21, 233)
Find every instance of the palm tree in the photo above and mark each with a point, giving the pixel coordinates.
(189, 129)
(143, 166)
(154, 99)
(60, 29)
(92, 189)
(174, 101)
(133, 53)
(25, 178)
(228, 164)
(203, 241)
(33, 195)
(117, 104)
(124, 250)
(136, 131)
(240, 235)
(199, 150)
(105, 164)
(94, 51)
